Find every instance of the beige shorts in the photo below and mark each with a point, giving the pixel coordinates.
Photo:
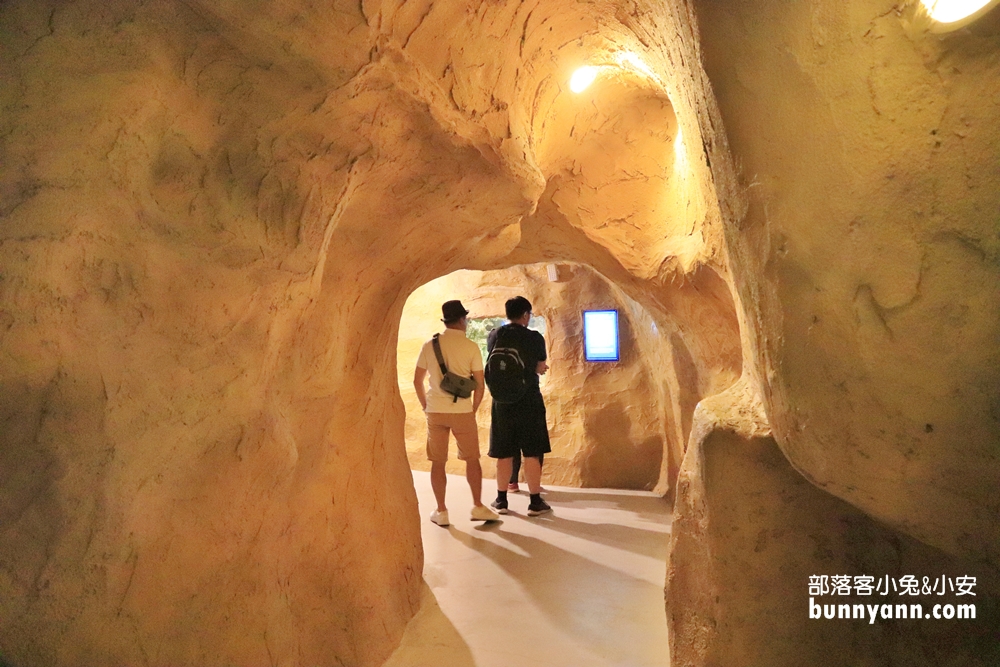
(462, 424)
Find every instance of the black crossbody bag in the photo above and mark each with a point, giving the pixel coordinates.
(453, 384)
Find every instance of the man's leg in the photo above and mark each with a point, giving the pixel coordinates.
(503, 473)
(474, 475)
(501, 450)
(439, 481)
(541, 464)
(437, 454)
(515, 468)
(466, 431)
(532, 474)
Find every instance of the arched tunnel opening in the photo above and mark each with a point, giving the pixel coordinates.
(212, 214)
(620, 425)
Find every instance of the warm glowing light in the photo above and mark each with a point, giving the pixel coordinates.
(951, 11)
(679, 152)
(582, 78)
(585, 76)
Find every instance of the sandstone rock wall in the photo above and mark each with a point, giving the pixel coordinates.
(212, 214)
(861, 238)
(173, 452)
(749, 534)
(867, 258)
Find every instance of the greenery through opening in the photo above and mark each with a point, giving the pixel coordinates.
(480, 327)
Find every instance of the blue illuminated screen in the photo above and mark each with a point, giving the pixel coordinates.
(600, 335)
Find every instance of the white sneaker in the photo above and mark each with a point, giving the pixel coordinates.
(440, 518)
(483, 513)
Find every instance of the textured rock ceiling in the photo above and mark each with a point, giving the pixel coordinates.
(213, 212)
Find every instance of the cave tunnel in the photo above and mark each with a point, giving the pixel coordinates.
(213, 214)
(618, 425)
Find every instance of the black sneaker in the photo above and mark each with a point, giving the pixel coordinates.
(541, 507)
(500, 506)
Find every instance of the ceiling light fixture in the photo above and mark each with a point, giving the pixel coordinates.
(953, 14)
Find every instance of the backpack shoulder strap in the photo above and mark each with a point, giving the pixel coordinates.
(506, 350)
(496, 339)
(437, 353)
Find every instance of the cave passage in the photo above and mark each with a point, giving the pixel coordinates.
(582, 587)
(611, 424)
(213, 212)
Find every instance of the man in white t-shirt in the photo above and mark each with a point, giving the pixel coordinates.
(448, 413)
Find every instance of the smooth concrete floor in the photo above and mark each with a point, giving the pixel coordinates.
(579, 587)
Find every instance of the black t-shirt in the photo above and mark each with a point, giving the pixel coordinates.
(529, 344)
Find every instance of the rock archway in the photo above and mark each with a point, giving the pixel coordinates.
(213, 212)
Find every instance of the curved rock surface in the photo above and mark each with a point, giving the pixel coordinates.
(212, 215)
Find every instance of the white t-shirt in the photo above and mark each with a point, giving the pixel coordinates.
(461, 356)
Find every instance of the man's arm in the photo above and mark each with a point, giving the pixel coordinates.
(418, 385)
(477, 395)
(541, 367)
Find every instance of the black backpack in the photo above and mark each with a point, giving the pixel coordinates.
(505, 372)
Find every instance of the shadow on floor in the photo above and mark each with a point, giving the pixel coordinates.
(564, 586)
(430, 639)
(646, 506)
(649, 543)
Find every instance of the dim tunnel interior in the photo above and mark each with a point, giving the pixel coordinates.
(213, 214)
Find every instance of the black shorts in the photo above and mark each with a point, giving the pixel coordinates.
(518, 428)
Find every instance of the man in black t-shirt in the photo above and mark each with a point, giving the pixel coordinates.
(520, 427)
